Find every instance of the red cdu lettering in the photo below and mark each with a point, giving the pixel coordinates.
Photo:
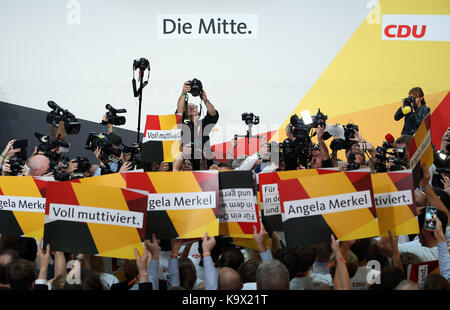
(400, 33)
(387, 33)
(422, 32)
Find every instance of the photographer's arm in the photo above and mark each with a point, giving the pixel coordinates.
(399, 114)
(182, 99)
(209, 106)
(324, 153)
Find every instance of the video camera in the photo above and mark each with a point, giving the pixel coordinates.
(48, 144)
(196, 87)
(398, 156)
(83, 166)
(250, 118)
(113, 118)
(141, 64)
(107, 149)
(58, 173)
(344, 144)
(135, 154)
(297, 152)
(58, 114)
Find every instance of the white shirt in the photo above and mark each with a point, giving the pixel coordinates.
(108, 280)
(423, 253)
(359, 280)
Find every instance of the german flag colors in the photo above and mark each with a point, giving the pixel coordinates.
(315, 207)
(107, 221)
(22, 206)
(395, 202)
(162, 137)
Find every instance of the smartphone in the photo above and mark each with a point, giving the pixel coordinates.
(430, 218)
(22, 145)
(170, 166)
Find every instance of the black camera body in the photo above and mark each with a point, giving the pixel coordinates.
(297, 152)
(58, 114)
(113, 118)
(141, 64)
(100, 140)
(196, 87)
(250, 118)
(15, 165)
(48, 144)
(135, 154)
(319, 119)
(409, 101)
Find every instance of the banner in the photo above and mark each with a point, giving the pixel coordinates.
(89, 219)
(181, 204)
(162, 136)
(418, 272)
(22, 206)
(395, 202)
(269, 196)
(238, 209)
(315, 207)
(420, 150)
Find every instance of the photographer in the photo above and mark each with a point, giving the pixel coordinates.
(414, 110)
(320, 157)
(114, 161)
(195, 130)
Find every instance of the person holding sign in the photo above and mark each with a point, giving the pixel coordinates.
(195, 130)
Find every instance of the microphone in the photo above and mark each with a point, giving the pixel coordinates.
(389, 138)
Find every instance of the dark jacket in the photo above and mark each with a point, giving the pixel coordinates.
(413, 119)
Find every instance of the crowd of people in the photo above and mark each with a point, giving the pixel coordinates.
(334, 265)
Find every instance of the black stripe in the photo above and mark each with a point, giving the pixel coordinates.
(159, 223)
(306, 230)
(235, 179)
(69, 237)
(9, 225)
(152, 151)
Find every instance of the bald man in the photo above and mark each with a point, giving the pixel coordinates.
(39, 164)
(229, 279)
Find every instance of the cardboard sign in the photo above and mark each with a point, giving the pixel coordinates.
(95, 220)
(162, 136)
(420, 150)
(238, 209)
(395, 202)
(418, 272)
(22, 206)
(315, 207)
(269, 196)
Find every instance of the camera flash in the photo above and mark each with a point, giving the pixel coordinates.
(306, 116)
(442, 156)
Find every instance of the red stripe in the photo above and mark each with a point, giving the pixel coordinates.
(440, 121)
(60, 192)
(153, 122)
(291, 190)
(139, 180)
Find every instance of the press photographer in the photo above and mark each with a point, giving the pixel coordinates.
(195, 131)
(414, 110)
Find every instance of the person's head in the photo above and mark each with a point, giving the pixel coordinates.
(352, 264)
(426, 236)
(323, 251)
(129, 269)
(231, 257)
(403, 141)
(229, 279)
(59, 282)
(27, 248)
(7, 256)
(39, 164)
(354, 154)
(445, 141)
(418, 94)
(272, 275)
(436, 282)
(94, 263)
(407, 285)
(192, 112)
(443, 196)
(409, 259)
(306, 256)
(247, 270)
(90, 281)
(390, 277)
(188, 274)
(376, 254)
(21, 274)
(361, 248)
(316, 158)
(317, 286)
(290, 259)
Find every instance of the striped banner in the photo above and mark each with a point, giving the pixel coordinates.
(95, 220)
(315, 207)
(395, 202)
(22, 206)
(162, 136)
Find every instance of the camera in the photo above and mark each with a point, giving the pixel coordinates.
(15, 165)
(58, 114)
(250, 118)
(141, 64)
(83, 166)
(349, 133)
(58, 173)
(196, 87)
(409, 101)
(135, 154)
(319, 119)
(100, 140)
(351, 165)
(398, 157)
(113, 118)
(48, 144)
(297, 152)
